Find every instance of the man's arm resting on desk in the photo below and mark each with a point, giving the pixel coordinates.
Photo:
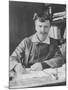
(54, 62)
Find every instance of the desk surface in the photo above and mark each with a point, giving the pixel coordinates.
(35, 81)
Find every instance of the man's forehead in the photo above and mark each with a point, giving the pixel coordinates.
(47, 22)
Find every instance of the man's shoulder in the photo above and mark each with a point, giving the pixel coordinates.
(27, 40)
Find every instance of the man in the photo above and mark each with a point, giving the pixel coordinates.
(38, 51)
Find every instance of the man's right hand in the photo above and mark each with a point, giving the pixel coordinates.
(19, 69)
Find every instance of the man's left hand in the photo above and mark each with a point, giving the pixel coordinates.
(36, 67)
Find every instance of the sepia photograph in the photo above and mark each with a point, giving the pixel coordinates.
(37, 44)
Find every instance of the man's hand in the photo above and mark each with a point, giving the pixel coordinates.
(12, 75)
(36, 67)
(12, 62)
(19, 69)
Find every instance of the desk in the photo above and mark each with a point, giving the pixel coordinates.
(38, 82)
(43, 80)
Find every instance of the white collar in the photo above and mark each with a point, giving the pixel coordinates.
(35, 39)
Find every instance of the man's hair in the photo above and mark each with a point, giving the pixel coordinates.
(42, 17)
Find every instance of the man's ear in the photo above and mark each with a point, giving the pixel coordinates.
(35, 16)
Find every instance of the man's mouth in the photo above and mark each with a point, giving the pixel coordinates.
(43, 32)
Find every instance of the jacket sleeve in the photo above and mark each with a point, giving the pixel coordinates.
(56, 61)
(18, 55)
(19, 50)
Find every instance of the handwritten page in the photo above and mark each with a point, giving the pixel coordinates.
(33, 74)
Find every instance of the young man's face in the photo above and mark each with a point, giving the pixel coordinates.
(42, 27)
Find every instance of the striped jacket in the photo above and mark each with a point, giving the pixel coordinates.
(23, 51)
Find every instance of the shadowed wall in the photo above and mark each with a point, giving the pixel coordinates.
(21, 24)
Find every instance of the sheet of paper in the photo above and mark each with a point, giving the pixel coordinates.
(51, 73)
(35, 78)
(32, 74)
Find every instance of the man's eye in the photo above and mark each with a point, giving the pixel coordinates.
(40, 26)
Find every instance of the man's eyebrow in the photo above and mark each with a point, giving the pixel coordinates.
(45, 25)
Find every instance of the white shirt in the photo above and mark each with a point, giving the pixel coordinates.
(35, 39)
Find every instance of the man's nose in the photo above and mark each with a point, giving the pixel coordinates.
(43, 29)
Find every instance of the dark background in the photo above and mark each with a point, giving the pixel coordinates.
(21, 24)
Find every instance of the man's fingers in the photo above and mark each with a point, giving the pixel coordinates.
(36, 67)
